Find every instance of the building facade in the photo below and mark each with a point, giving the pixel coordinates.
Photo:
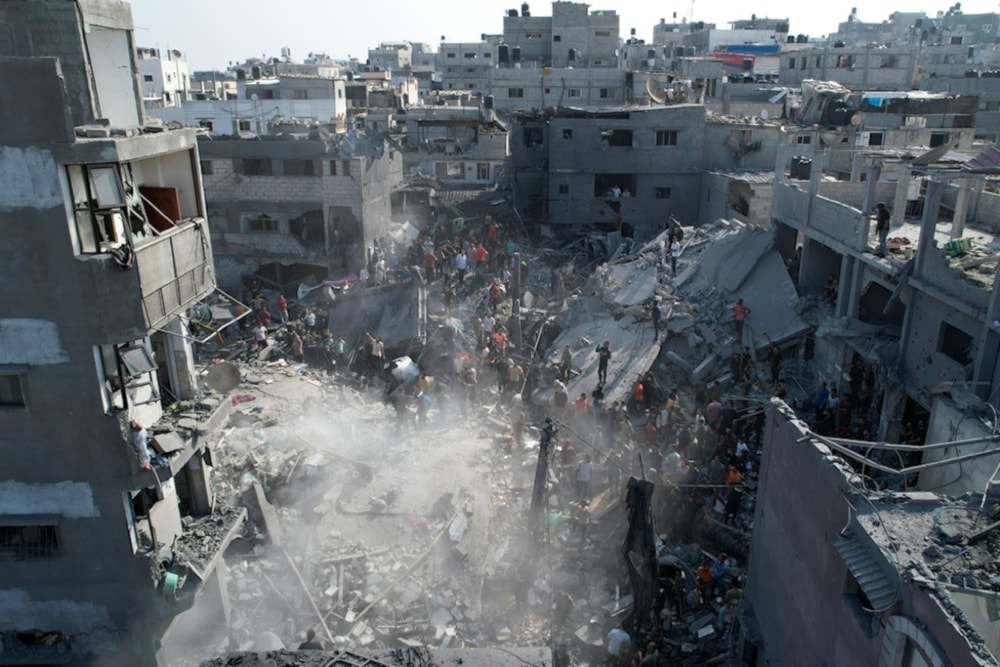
(107, 219)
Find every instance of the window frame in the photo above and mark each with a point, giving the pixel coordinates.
(666, 137)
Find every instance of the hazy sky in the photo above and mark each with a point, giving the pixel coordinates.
(211, 33)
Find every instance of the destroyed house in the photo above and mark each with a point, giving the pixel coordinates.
(318, 197)
(455, 145)
(922, 319)
(107, 247)
(866, 577)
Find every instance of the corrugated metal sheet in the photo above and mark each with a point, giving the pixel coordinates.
(879, 589)
(986, 162)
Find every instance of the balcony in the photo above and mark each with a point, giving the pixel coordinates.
(175, 271)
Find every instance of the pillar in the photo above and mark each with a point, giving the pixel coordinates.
(961, 209)
(180, 360)
(900, 197)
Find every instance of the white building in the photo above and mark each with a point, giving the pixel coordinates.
(165, 79)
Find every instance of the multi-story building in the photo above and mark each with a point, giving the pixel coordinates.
(165, 78)
(466, 66)
(320, 201)
(107, 247)
(566, 164)
(392, 56)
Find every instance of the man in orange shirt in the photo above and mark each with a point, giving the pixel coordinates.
(740, 312)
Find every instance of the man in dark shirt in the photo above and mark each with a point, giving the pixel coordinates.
(311, 643)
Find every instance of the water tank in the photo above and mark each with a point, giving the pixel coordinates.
(801, 168)
(524, 9)
(503, 54)
(516, 54)
(255, 72)
(512, 12)
(488, 102)
(241, 74)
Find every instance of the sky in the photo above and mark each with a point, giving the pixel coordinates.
(211, 33)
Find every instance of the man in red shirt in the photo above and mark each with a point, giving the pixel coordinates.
(481, 255)
(430, 262)
(283, 309)
(740, 312)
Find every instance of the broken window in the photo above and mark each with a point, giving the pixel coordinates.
(662, 193)
(39, 539)
(206, 123)
(567, 134)
(939, 139)
(666, 137)
(955, 344)
(515, 93)
(616, 137)
(262, 223)
(875, 139)
(533, 136)
(106, 206)
(253, 166)
(128, 374)
(301, 167)
(11, 388)
(845, 61)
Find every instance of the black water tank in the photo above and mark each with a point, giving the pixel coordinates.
(524, 9)
(512, 12)
(503, 54)
(241, 74)
(255, 72)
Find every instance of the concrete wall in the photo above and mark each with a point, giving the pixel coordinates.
(518, 89)
(797, 579)
(948, 423)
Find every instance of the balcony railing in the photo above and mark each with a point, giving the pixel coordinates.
(175, 270)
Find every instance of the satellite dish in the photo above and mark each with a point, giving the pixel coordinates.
(764, 115)
(223, 377)
(857, 119)
(656, 92)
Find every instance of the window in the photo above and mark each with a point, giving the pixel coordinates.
(955, 344)
(11, 389)
(533, 136)
(666, 137)
(987, 27)
(333, 167)
(487, 54)
(803, 139)
(470, 55)
(103, 221)
(602, 33)
(253, 166)
(955, 41)
(791, 63)
(242, 125)
(599, 62)
(301, 94)
(533, 35)
(661, 193)
(938, 139)
(482, 171)
(148, 78)
(567, 134)
(28, 542)
(845, 61)
(875, 139)
(262, 223)
(345, 167)
(608, 93)
(573, 92)
(206, 123)
(206, 167)
(515, 93)
(451, 55)
(127, 373)
(563, 189)
(301, 167)
(470, 69)
(616, 137)
(556, 38)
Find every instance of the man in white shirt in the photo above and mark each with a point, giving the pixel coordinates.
(461, 264)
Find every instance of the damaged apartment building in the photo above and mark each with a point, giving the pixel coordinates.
(290, 205)
(107, 246)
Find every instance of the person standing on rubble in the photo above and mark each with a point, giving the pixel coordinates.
(774, 361)
(140, 443)
(882, 218)
(603, 357)
(740, 312)
(565, 363)
(675, 253)
(283, 308)
(656, 315)
(584, 473)
(461, 264)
